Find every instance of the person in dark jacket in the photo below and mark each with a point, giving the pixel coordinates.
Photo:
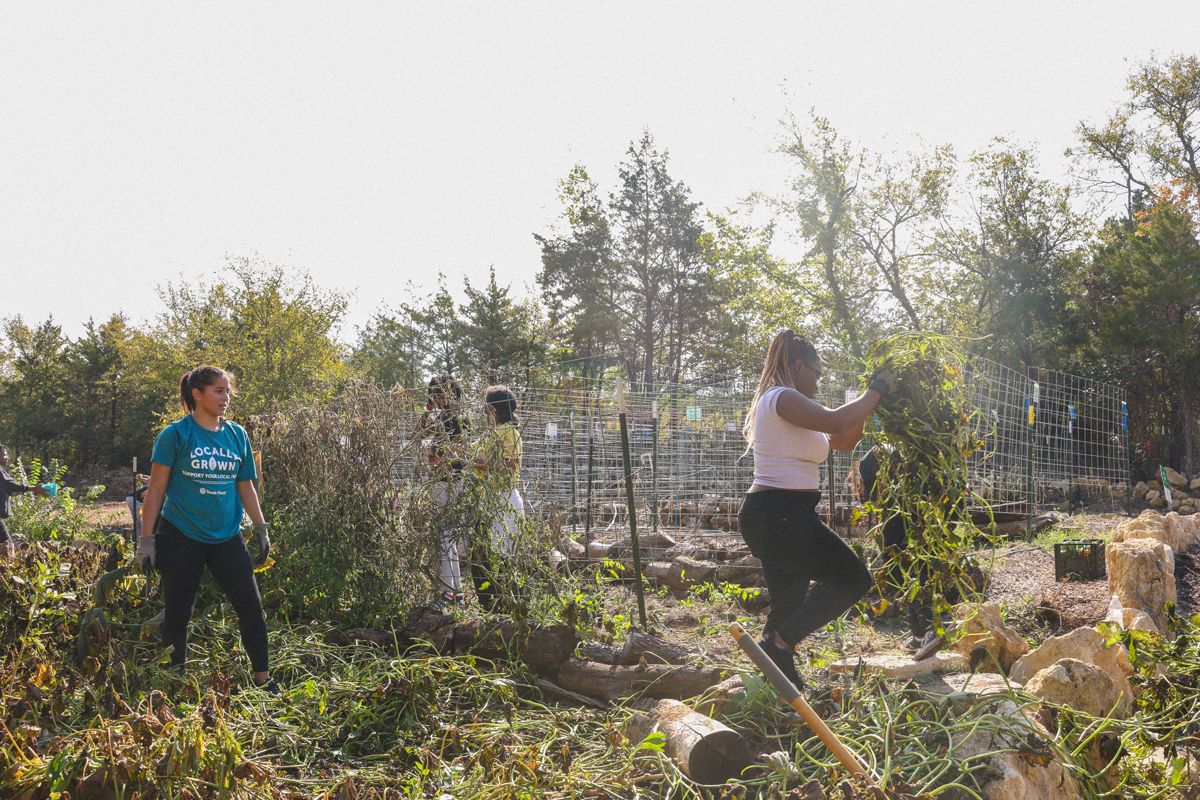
(924, 639)
(9, 487)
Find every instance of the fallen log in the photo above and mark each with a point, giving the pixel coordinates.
(641, 647)
(637, 646)
(543, 647)
(680, 573)
(551, 689)
(612, 682)
(704, 749)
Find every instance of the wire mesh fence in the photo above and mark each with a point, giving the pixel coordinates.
(1051, 440)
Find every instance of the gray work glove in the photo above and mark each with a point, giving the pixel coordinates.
(883, 381)
(262, 543)
(145, 555)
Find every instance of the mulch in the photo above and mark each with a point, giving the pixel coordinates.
(1187, 580)
(1024, 573)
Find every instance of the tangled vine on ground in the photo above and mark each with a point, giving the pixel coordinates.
(928, 432)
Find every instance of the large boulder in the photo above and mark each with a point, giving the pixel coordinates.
(986, 640)
(1082, 686)
(1011, 774)
(1176, 480)
(1141, 573)
(1176, 532)
(1082, 644)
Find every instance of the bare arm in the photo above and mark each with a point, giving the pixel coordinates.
(152, 501)
(249, 496)
(847, 419)
(846, 440)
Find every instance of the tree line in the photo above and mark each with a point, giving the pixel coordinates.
(1099, 276)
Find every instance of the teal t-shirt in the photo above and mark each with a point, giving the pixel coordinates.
(202, 499)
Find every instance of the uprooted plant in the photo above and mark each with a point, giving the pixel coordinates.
(928, 432)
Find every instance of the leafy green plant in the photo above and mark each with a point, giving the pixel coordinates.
(62, 516)
(928, 433)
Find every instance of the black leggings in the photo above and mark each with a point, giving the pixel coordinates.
(181, 561)
(3, 531)
(796, 550)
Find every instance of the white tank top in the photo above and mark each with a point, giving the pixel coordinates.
(786, 456)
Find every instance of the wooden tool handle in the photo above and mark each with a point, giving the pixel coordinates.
(792, 696)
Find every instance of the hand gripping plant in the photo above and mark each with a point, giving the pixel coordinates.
(928, 432)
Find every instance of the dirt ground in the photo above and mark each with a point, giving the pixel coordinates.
(110, 514)
(1021, 579)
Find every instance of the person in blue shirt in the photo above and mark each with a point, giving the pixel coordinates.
(201, 479)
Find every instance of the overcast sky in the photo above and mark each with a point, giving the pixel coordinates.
(376, 143)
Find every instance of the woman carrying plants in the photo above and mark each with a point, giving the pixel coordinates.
(9, 487)
(811, 574)
(445, 429)
(498, 465)
(201, 479)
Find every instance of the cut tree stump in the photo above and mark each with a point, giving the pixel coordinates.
(612, 682)
(704, 749)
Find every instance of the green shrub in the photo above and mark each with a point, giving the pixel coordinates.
(61, 517)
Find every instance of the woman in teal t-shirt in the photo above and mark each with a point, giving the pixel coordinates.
(201, 478)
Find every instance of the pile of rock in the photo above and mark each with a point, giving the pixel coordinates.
(1185, 494)
(1141, 567)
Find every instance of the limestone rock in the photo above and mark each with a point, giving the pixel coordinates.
(1139, 491)
(1194, 485)
(1080, 685)
(1155, 499)
(982, 627)
(1083, 644)
(898, 667)
(964, 688)
(1176, 480)
(1130, 619)
(1172, 530)
(1013, 776)
(1141, 573)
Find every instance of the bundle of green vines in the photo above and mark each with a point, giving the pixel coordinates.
(928, 431)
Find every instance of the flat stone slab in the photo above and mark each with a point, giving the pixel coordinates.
(899, 667)
(978, 684)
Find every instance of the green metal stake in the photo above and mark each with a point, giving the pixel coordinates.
(1128, 457)
(574, 468)
(630, 504)
(1032, 424)
(1071, 448)
(587, 519)
(654, 465)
